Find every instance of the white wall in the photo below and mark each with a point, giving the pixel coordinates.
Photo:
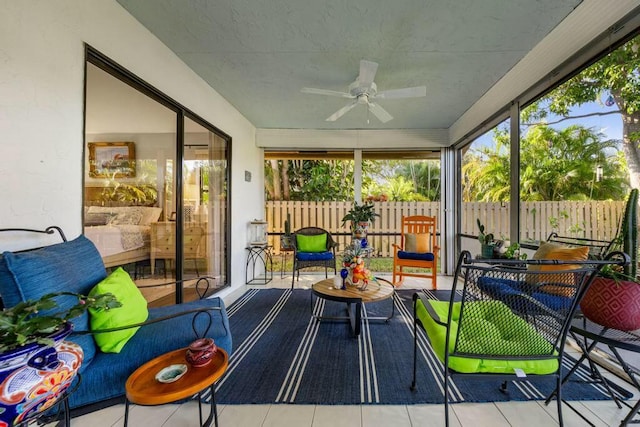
(41, 112)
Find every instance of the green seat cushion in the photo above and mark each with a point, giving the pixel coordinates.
(314, 243)
(134, 310)
(489, 328)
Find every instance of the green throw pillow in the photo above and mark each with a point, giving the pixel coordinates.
(315, 243)
(133, 310)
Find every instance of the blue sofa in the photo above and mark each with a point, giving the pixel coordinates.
(76, 266)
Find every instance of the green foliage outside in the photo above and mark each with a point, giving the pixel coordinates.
(555, 165)
(332, 180)
(615, 78)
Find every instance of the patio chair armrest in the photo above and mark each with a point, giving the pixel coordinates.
(201, 282)
(196, 312)
(427, 306)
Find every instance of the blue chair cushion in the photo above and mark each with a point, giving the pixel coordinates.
(504, 288)
(427, 256)
(73, 266)
(315, 256)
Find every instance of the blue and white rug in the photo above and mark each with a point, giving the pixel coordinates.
(283, 355)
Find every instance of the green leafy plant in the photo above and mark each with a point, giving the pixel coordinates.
(22, 324)
(360, 213)
(513, 252)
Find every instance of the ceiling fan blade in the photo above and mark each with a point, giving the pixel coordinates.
(368, 71)
(380, 112)
(341, 112)
(407, 92)
(326, 92)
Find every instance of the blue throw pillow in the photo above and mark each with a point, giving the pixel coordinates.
(73, 266)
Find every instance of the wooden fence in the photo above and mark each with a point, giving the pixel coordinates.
(592, 219)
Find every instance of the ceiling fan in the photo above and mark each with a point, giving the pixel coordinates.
(364, 91)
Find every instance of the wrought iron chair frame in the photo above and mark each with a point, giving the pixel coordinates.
(552, 325)
(300, 264)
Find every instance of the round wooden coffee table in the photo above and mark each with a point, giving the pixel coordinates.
(377, 290)
(142, 387)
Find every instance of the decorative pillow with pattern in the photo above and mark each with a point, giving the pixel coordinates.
(130, 217)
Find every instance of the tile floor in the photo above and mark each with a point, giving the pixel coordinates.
(601, 413)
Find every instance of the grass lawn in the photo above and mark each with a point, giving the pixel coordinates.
(376, 265)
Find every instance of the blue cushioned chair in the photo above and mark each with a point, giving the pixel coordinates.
(76, 266)
(323, 255)
(418, 249)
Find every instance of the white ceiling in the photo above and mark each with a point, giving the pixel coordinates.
(259, 54)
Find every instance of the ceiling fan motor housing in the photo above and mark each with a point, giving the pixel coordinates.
(363, 93)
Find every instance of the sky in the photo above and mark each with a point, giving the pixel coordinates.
(609, 125)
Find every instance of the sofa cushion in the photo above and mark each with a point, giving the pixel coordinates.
(109, 371)
(492, 329)
(314, 243)
(133, 310)
(73, 266)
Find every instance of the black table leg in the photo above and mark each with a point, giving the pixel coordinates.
(355, 317)
(126, 412)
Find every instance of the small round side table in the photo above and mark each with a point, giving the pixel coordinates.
(142, 387)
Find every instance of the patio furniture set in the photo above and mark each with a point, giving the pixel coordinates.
(505, 321)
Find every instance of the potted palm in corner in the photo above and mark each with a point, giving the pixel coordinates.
(613, 299)
(36, 364)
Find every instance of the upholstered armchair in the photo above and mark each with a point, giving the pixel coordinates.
(313, 247)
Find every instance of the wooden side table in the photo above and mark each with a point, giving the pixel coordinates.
(142, 387)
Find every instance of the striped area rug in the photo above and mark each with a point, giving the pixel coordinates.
(283, 355)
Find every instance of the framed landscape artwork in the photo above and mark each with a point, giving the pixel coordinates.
(112, 159)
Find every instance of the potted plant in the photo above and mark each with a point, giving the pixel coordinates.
(487, 242)
(613, 299)
(360, 216)
(31, 337)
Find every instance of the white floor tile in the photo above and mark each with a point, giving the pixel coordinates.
(385, 416)
(243, 415)
(337, 416)
(150, 415)
(289, 415)
(431, 416)
(480, 415)
(525, 414)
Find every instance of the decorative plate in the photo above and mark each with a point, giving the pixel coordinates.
(171, 373)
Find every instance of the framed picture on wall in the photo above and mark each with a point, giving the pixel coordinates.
(112, 159)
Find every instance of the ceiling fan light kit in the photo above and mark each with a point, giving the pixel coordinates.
(364, 91)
